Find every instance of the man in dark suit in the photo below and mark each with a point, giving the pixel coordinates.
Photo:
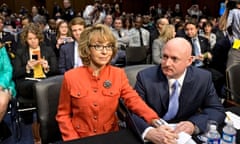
(8, 39)
(69, 12)
(68, 54)
(203, 54)
(196, 101)
(200, 45)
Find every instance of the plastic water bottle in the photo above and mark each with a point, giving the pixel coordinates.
(213, 136)
(229, 133)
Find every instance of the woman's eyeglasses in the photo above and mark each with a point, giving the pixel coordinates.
(101, 47)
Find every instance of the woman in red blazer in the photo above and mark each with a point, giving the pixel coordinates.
(90, 94)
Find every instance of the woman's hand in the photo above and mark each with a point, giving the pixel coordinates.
(162, 134)
(44, 63)
(31, 63)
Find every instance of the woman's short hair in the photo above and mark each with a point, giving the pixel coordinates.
(97, 33)
(31, 28)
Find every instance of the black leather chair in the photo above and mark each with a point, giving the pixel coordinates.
(132, 71)
(47, 94)
(136, 55)
(233, 82)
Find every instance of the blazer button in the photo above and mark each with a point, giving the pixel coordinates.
(78, 127)
(95, 104)
(95, 117)
(94, 130)
(78, 94)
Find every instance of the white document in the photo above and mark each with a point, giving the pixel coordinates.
(183, 138)
(34, 79)
(234, 118)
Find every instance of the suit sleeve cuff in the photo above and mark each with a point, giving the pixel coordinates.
(145, 133)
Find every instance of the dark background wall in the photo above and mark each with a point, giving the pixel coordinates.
(136, 6)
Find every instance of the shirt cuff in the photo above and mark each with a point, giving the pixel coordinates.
(145, 133)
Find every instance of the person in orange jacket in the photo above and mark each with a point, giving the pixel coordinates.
(90, 94)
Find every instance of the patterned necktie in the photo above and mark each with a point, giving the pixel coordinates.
(197, 52)
(173, 102)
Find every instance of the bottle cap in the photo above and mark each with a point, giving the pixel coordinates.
(213, 127)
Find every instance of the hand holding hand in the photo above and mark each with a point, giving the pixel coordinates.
(163, 134)
(185, 126)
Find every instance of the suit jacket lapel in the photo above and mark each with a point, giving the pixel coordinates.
(186, 90)
(72, 53)
(163, 90)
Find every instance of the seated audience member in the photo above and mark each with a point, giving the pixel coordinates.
(7, 87)
(122, 38)
(168, 32)
(68, 54)
(8, 39)
(178, 92)
(207, 33)
(90, 94)
(33, 60)
(200, 45)
(138, 37)
(63, 34)
(202, 54)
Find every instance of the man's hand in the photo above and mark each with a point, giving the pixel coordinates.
(185, 126)
(162, 135)
(199, 57)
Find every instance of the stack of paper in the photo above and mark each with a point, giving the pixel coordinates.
(234, 118)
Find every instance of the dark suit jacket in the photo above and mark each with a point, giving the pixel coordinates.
(198, 101)
(22, 56)
(8, 37)
(66, 57)
(204, 45)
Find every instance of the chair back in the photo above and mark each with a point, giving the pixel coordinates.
(47, 95)
(133, 70)
(233, 81)
(136, 54)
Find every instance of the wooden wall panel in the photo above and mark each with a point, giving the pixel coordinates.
(136, 6)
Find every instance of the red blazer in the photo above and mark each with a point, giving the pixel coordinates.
(88, 107)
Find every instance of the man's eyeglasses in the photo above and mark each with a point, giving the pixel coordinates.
(101, 47)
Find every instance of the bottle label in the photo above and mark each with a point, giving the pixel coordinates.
(213, 141)
(228, 138)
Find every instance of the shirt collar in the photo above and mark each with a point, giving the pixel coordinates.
(180, 79)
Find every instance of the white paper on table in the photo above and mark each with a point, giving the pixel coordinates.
(184, 138)
(234, 118)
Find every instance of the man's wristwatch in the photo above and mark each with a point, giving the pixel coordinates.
(159, 122)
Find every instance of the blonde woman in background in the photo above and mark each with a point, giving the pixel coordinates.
(168, 32)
